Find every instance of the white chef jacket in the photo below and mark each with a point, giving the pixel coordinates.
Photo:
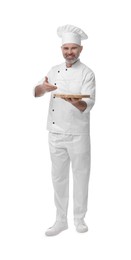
(63, 117)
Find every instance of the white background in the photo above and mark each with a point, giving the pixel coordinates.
(29, 47)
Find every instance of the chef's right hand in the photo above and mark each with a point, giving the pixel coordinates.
(47, 86)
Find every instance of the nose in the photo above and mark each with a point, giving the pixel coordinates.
(70, 51)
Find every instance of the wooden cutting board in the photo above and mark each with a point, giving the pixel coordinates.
(71, 96)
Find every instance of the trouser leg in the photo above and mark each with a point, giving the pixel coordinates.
(60, 175)
(80, 157)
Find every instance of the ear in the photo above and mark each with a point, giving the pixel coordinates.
(81, 48)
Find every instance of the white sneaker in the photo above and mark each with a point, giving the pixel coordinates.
(81, 227)
(57, 228)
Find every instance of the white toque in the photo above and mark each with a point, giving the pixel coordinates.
(71, 34)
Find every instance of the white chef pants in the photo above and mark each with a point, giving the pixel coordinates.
(66, 148)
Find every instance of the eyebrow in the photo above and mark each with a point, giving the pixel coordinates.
(66, 48)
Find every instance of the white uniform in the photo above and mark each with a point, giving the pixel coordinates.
(69, 137)
(63, 117)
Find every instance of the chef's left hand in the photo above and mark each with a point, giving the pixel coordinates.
(77, 102)
(73, 101)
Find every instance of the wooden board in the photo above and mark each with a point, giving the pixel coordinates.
(71, 96)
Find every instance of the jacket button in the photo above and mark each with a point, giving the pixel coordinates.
(52, 109)
(53, 122)
(58, 71)
(54, 83)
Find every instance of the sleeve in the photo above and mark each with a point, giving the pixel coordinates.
(88, 88)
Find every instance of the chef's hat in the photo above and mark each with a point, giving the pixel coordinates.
(71, 34)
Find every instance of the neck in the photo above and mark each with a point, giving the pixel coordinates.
(68, 65)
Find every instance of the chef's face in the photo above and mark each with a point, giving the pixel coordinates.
(71, 52)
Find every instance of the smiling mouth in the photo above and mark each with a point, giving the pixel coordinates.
(70, 57)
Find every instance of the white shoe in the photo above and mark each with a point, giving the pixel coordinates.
(81, 227)
(57, 228)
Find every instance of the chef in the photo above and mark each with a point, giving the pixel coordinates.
(69, 128)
